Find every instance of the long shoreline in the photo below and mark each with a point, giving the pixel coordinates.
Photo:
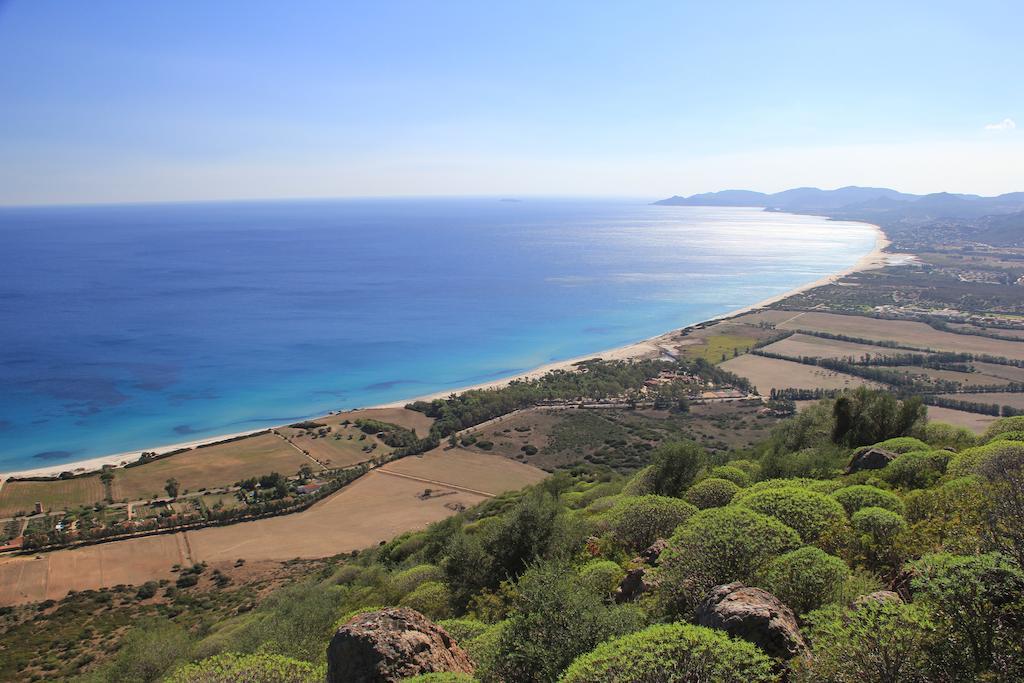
(877, 258)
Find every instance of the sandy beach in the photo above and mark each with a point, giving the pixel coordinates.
(648, 348)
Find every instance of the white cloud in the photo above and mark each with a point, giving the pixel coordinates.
(1005, 124)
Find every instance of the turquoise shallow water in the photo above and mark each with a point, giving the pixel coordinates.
(125, 327)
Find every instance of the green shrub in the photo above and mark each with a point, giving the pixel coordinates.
(254, 668)
(732, 473)
(902, 444)
(878, 522)
(603, 576)
(1008, 436)
(976, 603)
(407, 580)
(880, 641)
(748, 467)
(967, 462)
(150, 649)
(877, 530)
(1007, 424)
(717, 546)
(641, 483)
(811, 514)
(853, 498)
(485, 651)
(711, 493)
(674, 467)
(637, 522)
(769, 484)
(806, 578)
(430, 598)
(672, 653)
(557, 617)
(942, 435)
(464, 629)
(916, 469)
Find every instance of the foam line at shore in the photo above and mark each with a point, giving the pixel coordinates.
(877, 258)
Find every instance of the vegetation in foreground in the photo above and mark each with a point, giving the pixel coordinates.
(527, 582)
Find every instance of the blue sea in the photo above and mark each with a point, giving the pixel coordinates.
(132, 326)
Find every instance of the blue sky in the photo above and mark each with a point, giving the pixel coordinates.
(133, 101)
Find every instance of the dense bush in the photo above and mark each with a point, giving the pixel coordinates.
(430, 598)
(749, 467)
(602, 576)
(865, 416)
(811, 514)
(641, 483)
(255, 668)
(674, 467)
(672, 653)
(853, 498)
(637, 522)
(557, 617)
(916, 469)
(806, 578)
(941, 435)
(717, 546)
(732, 473)
(711, 493)
(150, 649)
(902, 444)
(967, 462)
(877, 530)
(1007, 424)
(879, 641)
(976, 602)
(1008, 436)
(407, 580)
(463, 630)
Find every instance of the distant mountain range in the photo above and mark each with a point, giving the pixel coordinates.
(994, 220)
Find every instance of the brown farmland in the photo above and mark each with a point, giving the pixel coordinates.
(770, 373)
(903, 332)
(376, 507)
(976, 422)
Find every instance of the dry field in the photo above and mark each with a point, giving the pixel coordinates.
(816, 347)
(1007, 372)
(961, 418)
(901, 332)
(21, 496)
(510, 434)
(769, 373)
(52, 575)
(490, 474)
(966, 379)
(999, 398)
(210, 467)
(342, 452)
(410, 419)
(375, 508)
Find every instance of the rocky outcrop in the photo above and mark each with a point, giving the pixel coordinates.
(878, 597)
(636, 582)
(390, 645)
(754, 615)
(870, 459)
(651, 554)
(642, 578)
